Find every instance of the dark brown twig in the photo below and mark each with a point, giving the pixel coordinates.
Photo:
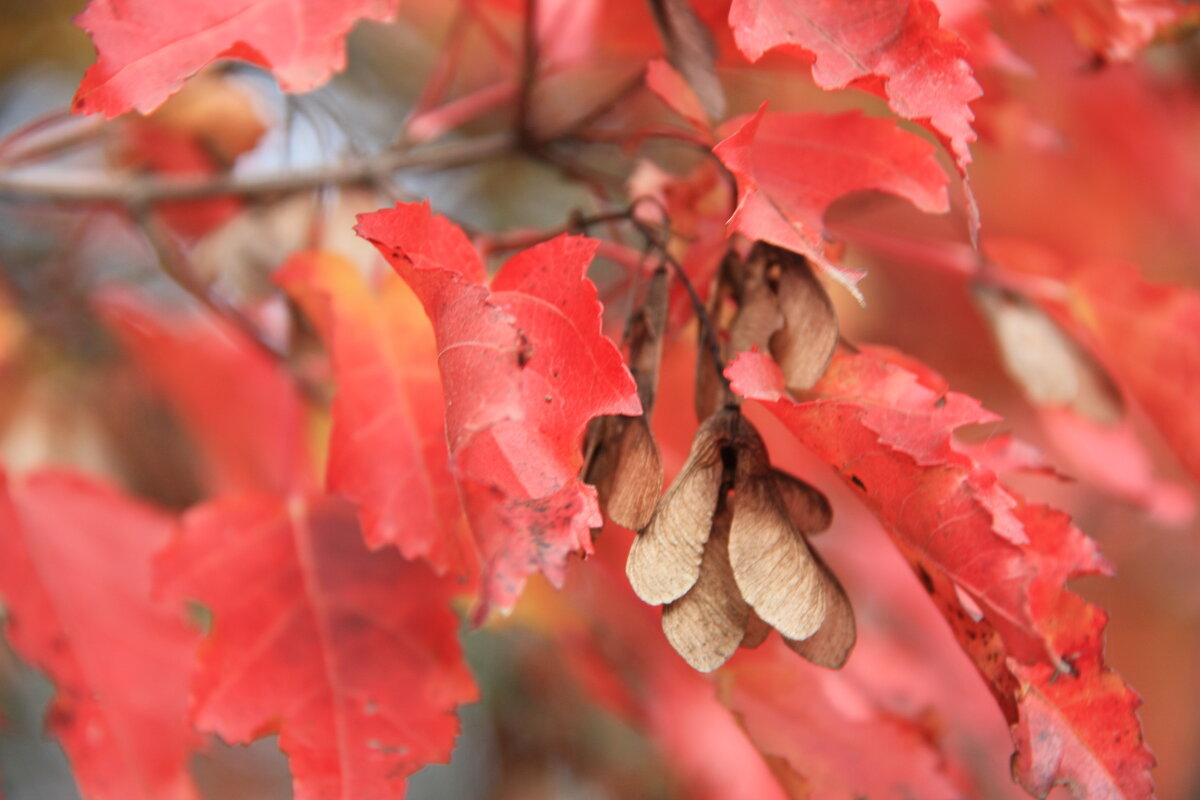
(529, 68)
(658, 242)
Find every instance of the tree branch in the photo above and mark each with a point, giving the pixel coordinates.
(137, 192)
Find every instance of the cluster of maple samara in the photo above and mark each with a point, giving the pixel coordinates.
(724, 550)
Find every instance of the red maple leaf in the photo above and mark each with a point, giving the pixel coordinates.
(352, 656)
(815, 723)
(1150, 335)
(76, 580)
(1117, 29)
(893, 48)
(791, 167)
(994, 565)
(147, 49)
(205, 369)
(1147, 335)
(387, 450)
(524, 366)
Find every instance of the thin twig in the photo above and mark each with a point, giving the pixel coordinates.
(652, 237)
(176, 265)
(529, 67)
(141, 192)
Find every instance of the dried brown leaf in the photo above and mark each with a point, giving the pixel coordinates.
(706, 625)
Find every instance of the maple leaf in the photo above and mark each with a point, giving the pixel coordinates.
(524, 367)
(791, 167)
(994, 565)
(205, 369)
(155, 148)
(1117, 29)
(1150, 335)
(1146, 335)
(388, 444)
(674, 90)
(351, 655)
(76, 580)
(893, 48)
(811, 725)
(147, 49)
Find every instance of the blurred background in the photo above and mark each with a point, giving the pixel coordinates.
(1086, 159)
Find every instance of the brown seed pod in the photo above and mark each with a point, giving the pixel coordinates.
(1051, 368)
(623, 461)
(774, 568)
(626, 469)
(804, 345)
(759, 316)
(808, 508)
(706, 625)
(732, 565)
(830, 646)
(756, 631)
(664, 561)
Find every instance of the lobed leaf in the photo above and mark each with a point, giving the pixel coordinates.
(791, 167)
(352, 656)
(994, 565)
(387, 451)
(75, 558)
(893, 48)
(146, 50)
(524, 367)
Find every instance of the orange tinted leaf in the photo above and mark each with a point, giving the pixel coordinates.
(352, 656)
(388, 445)
(146, 49)
(524, 367)
(75, 575)
(241, 407)
(1118, 29)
